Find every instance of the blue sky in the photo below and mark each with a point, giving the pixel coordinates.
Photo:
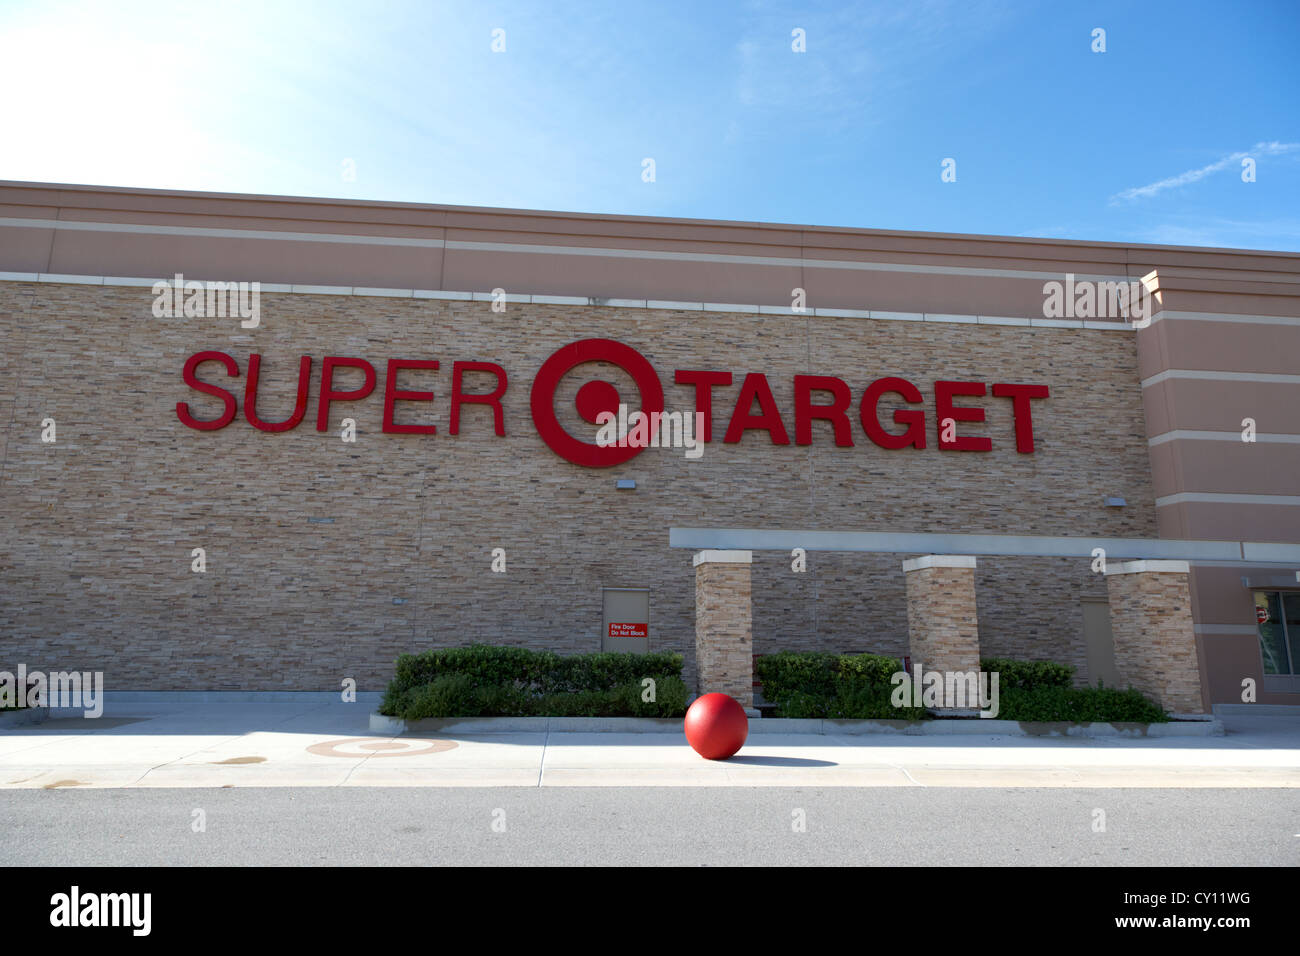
(1141, 143)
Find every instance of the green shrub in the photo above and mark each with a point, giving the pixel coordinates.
(869, 668)
(486, 681)
(872, 702)
(838, 687)
(1079, 704)
(797, 704)
(670, 698)
(865, 702)
(544, 671)
(482, 662)
(605, 670)
(582, 703)
(788, 673)
(447, 695)
(1028, 675)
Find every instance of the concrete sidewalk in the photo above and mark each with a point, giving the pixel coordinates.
(328, 744)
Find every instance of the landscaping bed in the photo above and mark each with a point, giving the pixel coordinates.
(861, 687)
(835, 693)
(486, 681)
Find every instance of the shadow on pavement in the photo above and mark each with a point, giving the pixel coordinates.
(781, 761)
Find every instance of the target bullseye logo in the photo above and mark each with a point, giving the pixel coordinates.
(593, 398)
(379, 747)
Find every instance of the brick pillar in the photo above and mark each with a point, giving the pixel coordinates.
(943, 633)
(724, 644)
(1155, 640)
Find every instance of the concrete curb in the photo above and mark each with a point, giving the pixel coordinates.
(527, 725)
(23, 718)
(1257, 710)
(365, 697)
(784, 725)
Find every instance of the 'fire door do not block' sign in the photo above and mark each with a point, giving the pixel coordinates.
(629, 630)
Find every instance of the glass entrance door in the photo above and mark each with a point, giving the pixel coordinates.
(1277, 615)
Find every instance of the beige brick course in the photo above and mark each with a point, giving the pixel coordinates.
(1155, 640)
(942, 620)
(724, 645)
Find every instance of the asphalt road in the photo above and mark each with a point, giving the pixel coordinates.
(651, 826)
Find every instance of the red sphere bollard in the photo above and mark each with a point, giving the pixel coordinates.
(716, 726)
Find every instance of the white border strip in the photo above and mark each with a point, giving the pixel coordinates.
(212, 232)
(1207, 375)
(1225, 498)
(1222, 317)
(1147, 567)
(543, 249)
(939, 561)
(714, 556)
(593, 301)
(1047, 546)
(1185, 434)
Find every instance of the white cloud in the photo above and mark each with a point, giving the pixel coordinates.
(1195, 175)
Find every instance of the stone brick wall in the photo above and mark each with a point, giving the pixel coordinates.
(1155, 641)
(1029, 608)
(724, 645)
(326, 560)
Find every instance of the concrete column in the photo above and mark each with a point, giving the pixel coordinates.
(1155, 639)
(724, 644)
(943, 633)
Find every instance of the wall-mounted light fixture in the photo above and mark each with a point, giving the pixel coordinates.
(1115, 502)
(625, 484)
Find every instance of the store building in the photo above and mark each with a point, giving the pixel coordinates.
(273, 487)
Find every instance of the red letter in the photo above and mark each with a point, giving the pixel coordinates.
(755, 387)
(328, 394)
(703, 382)
(1020, 396)
(913, 418)
(805, 411)
(542, 398)
(183, 409)
(392, 394)
(250, 396)
(490, 398)
(944, 410)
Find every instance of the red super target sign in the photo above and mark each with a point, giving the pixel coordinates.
(826, 400)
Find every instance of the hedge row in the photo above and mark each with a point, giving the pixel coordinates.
(487, 681)
(1028, 675)
(457, 695)
(833, 686)
(543, 671)
(858, 686)
(811, 673)
(1082, 704)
